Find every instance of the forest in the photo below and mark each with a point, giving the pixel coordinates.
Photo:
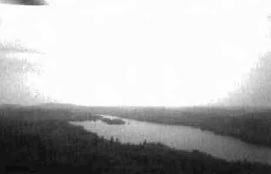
(40, 140)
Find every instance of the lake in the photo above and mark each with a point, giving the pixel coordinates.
(178, 137)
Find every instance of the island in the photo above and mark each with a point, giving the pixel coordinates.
(116, 121)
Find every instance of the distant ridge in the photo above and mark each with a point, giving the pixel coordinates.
(203, 110)
(61, 106)
(184, 108)
(10, 106)
(52, 105)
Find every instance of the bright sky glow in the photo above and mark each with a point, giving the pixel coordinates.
(172, 53)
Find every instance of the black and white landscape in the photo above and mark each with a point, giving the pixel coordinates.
(133, 86)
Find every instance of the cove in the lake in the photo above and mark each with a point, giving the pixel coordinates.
(178, 137)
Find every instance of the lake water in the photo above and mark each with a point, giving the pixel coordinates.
(179, 137)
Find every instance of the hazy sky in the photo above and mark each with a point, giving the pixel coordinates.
(136, 52)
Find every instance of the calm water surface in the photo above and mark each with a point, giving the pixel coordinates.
(179, 137)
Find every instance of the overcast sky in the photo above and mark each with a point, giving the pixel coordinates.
(136, 52)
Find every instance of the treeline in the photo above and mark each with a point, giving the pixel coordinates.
(38, 140)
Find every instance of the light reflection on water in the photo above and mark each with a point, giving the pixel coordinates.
(179, 137)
